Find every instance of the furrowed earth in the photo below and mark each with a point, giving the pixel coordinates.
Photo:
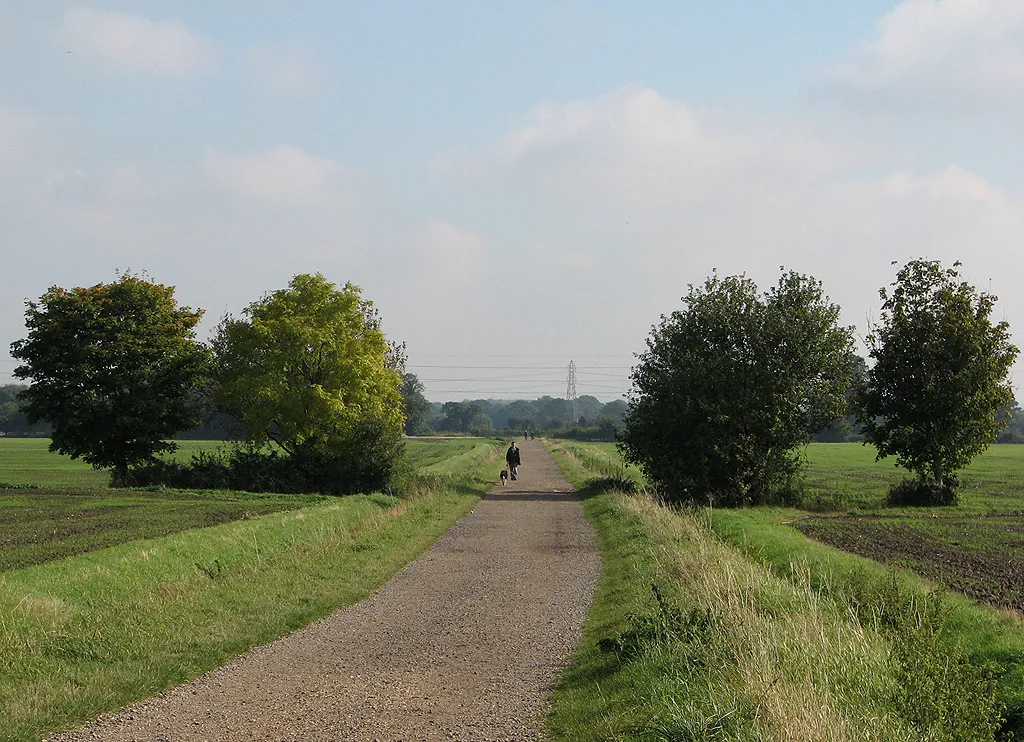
(980, 555)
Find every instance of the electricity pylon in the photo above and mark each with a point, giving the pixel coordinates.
(570, 390)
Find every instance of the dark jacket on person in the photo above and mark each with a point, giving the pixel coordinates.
(512, 456)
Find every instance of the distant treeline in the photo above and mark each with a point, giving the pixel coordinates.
(543, 414)
(594, 420)
(12, 419)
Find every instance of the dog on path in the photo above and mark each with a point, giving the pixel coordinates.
(504, 476)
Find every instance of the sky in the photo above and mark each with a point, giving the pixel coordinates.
(515, 185)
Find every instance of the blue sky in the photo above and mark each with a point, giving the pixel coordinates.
(514, 184)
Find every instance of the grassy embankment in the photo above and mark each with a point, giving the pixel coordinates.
(87, 634)
(753, 632)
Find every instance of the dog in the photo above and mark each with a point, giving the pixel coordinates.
(504, 476)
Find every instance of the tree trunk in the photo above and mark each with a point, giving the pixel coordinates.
(121, 474)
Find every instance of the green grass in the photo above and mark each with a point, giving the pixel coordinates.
(27, 461)
(845, 476)
(87, 634)
(760, 634)
(73, 511)
(425, 452)
(990, 637)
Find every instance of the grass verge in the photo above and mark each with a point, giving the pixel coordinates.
(90, 633)
(990, 638)
(688, 638)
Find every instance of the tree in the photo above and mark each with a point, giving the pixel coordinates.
(463, 417)
(940, 375)
(588, 407)
(731, 385)
(846, 429)
(309, 369)
(415, 405)
(553, 412)
(13, 420)
(113, 369)
(1013, 417)
(522, 410)
(615, 409)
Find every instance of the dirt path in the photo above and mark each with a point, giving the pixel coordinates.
(462, 645)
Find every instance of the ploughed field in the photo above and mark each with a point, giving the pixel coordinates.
(976, 548)
(980, 555)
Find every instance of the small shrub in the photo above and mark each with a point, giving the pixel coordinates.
(923, 493)
(368, 460)
(936, 688)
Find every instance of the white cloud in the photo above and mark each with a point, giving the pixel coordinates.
(955, 184)
(634, 195)
(282, 175)
(949, 53)
(136, 45)
(286, 70)
(640, 130)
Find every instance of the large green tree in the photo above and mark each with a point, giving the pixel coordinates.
(731, 385)
(309, 368)
(940, 374)
(113, 368)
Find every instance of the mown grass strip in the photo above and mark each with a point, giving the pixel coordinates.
(88, 634)
(595, 697)
(690, 639)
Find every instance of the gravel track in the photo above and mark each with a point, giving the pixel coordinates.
(462, 645)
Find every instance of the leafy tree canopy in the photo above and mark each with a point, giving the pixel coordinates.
(113, 368)
(940, 372)
(731, 384)
(463, 417)
(307, 366)
(615, 409)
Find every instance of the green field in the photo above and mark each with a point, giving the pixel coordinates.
(845, 476)
(84, 634)
(61, 507)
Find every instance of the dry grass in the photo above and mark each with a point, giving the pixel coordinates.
(800, 667)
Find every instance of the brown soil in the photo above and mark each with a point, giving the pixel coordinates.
(462, 645)
(979, 556)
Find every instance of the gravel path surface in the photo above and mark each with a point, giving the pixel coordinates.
(462, 645)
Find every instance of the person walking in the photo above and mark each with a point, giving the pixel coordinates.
(513, 460)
